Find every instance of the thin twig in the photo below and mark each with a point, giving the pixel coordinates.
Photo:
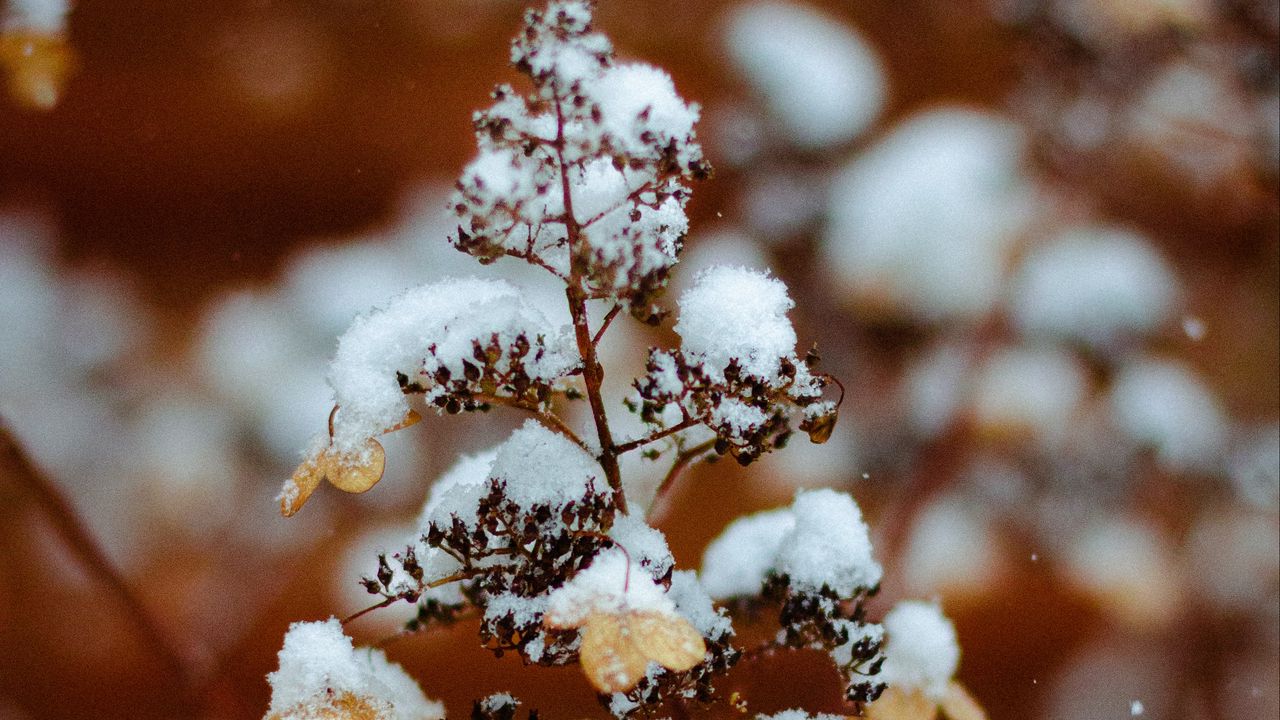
(658, 506)
(95, 562)
(630, 445)
(456, 577)
(376, 606)
(604, 325)
(550, 420)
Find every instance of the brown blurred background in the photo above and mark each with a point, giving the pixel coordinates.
(199, 148)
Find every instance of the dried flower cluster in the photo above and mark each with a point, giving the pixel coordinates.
(586, 177)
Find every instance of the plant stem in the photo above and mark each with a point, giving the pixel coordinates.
(91, 557)
(593, 377)
(604, 325)
(683, 460)
(592, 373)
(630, 445)
(550, 420)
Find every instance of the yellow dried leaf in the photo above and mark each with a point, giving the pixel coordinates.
(356, 473)
(411, 418)
(610, 659)
(897, 704)
(299, 487)
(38, 64)
(958, 704)
(668, 639)
(616, 648)
(353, 473)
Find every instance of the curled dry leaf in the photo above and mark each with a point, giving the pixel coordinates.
(356, 472)
(38, 64)
(616, 648)
(349, 472)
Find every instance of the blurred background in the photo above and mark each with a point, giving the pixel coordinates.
(1038, 240)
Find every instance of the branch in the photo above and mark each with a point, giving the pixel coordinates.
(608, 320)
(465, 574)
(683, 460)
(95, 562)
(632, 197)
(550, 420)
(630, 445)
(592, 373)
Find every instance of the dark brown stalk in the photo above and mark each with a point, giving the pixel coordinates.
(550, 420)
(630, 445)
(604, 324)
(592, 373)
(91, 557)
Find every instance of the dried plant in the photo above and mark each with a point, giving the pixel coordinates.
(586, 176)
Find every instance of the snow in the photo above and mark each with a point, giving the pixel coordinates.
(819, 77)
(1254, 466)
(1235, 560)
(646, 546)
(431, 327)
(1095, 285)
(921, 223)
(319, 664)
(49, 16)
(468, 474)
(819, 541)
(617, 127)
(921, 651)
(612, 584)
(1162, 404)
(952, 549)
(1032, 390)
(640, 110)
(829, 545)
(1192, 115)
(798, 714)
(540, 467)
(534, 466)
(524, 611)
(1101, 680)
(1128, 567)
(936, 385)
(693, 602)
(738, 560)
(565, 59)
(327, 287)
(736, 313)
